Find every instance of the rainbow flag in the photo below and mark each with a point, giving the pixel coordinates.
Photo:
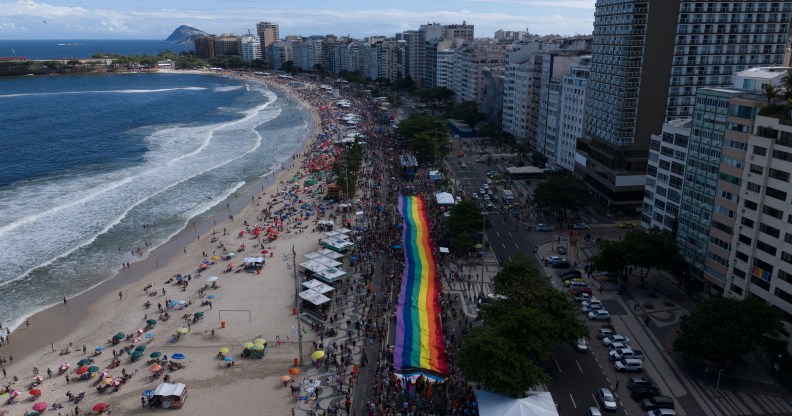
(419, 337)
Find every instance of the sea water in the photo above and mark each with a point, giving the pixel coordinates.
(86, 161)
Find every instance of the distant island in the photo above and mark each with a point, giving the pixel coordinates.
(185, 34)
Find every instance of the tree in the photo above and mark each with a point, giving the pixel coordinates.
(771, 92)
(652, 249)
(467, 111)
(464, 225)
(288, 66)
(562, 192)
(434, 96)
(539, 160)
(612, 256)
(723, 329)
(520, 331)
(786, 84)
(428, 136)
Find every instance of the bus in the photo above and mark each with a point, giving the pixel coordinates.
(508, 197)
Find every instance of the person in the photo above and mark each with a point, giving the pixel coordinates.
(120, 295)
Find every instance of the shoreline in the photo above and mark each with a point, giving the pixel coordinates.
(59, 321)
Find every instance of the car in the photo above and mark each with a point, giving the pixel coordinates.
(544, 227)
(658, 402)
(566, 277)
(554, 259)
(581, 345)
(485, 186)
(593, 300)
(593, 411)
(638, 382)
(626, 225)
(617, 346)
(487, 197)
(586, 290)
(605, 332)
(615, 338)
(643, 393)
(490, 207)
(628, 352)
(573, 281)
(482, 191)
(581, 297)
(575, 284)
(474, 196)
(599, 315)
(480, 160)
(593, 307)
(629, 364)
(561, 250)
(561, 265)
(570, 272)
(463, 165)
(580, 226)
(662, 412)
(607, 399)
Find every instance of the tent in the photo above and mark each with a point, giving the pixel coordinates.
(314, 297)
(444, 198)
(535, 404)
(317, 286)
(435, 175)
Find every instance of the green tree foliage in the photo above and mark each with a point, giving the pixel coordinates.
(612, 256)
(771, 92)
(464, 225)
(644, 250)
(519, 332)
(467, 111)
(539, 160)
(786, 84)
(346, 168)
(428, 136)
(723, 329)
(434, 96)
(403, 83)
(562, 192)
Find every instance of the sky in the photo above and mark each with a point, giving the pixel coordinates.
(156, 19)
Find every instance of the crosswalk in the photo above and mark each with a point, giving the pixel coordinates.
(728, 402)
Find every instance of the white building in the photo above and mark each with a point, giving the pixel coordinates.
(281, 53)
(571, 112)
(251, 47)
(445, 68)
(667, 159)
(306, 54)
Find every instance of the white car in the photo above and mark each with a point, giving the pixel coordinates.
(605, 332)
(615, 338)
(599, 315)
(593, 301)
(607, 399)
(593, 411)
(581, 345)
(482, 191)
(474, 196)
(591, 307)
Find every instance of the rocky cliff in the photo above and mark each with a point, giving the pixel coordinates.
(185, 34)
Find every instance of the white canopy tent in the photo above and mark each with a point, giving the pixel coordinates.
(444, 198)
(314, 297)
(344, 230)
(536, 404)
(313, 266)
(318, 286)
(337, 244)
(327, 261)
(331, 275)
(329, 253)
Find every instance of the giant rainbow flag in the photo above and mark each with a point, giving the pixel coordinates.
(419, 337)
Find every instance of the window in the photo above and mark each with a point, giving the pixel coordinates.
(786, 257)
(729, 178)
(788, 238)
(781, 155)
(779, 174)
(776, 193)
(767, 248)
(756, 169)
(741, 256)
(771, 231)
(754, 187)
(734, 144)
(773, 212)
(752, 205)
(744, 239)
(760, 151)
(723, 227)
(748, 223)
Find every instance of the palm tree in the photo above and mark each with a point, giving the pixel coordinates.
(786, 84)
(771, 92)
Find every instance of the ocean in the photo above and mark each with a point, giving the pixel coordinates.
(77, 49)
(87, 160)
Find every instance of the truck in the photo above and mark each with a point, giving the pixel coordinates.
(508, 197)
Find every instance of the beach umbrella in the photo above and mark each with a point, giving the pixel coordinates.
(104, 373)
(136, 340)
(64, 367)
(258, 347)
(140, 331)
(210, 297)
(154, 368)
(177, 356)
(148, 393)
(100, 407)
(182, 331)
(107, 380)
(286, 378)
(99, 348)
(116, 382)
(140, 348)
(317, 355)
(119, 335)
(83, 362)
(199, 314)
(150, 335)
(215, 258)
(224, 350)
(13, 393)
(247, 345)
(229, 359)
(35, 392)
(40, 407)
(137, 354)
(207, 262)
(155, 354)
(259, 341)
(294, 371)
(151, 322)
(82, 370)
(201, 266)
(93, 369)
(211, 279)
(264, 251)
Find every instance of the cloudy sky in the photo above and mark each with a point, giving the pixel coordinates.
(156, 19)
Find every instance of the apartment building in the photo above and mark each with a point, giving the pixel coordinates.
(468, 64)
(282, 52)
(666, 175)
(307, 54)
(268, 33)
(251, 47)
(571, 111)
(227, 45)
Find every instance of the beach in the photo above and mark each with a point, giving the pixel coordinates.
(251, 305)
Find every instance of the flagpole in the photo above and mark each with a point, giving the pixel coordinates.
(297, 301)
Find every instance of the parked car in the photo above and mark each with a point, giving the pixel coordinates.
(625, 353)
(552, 260)
(616, 346)
(606, 399)
(605, 332)
(641, 393)
(662, 412)
(474, 195)
(658, 402)
(615, 338)
(593, 411)
(581, 297)
(638, 382)
(599, 315)
(581, 345)
(580, 226)
(573, 281)
(482, 191)
(593, 301)
(544, 227)
(561, 265)
(561, 250)
(586, 290)
(626, 225)
(570, 276)
(570, 272)
(629, 364)
(592, 307)
(481, 160)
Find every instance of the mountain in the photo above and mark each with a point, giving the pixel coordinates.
(185, 34)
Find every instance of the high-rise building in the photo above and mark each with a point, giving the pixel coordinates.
(281, 53)
(468, 64)
(645, 71)
(307, 54)
(251, 47)
(205, 47)
(267, 33)
(571, 112)
(553, 67)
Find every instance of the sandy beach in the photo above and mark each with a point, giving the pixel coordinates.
(251, 305)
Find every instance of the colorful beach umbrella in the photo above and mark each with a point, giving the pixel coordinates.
(210, 297)
(211, 279)
(229, 359)
(119, 335)
(317, 355)
(140, 348)
(82, 370)
(137, 354)
(100, 407)
(40, 407)
(182, 331)
(294, 371)
(224, 350)
(155, 354)
(93, 369)
(148, 393)
(99, 348)
(177, 356)
(84, 361)
(286, 378)
(64, 367)
(107, 380)
(247, 345)
(154, 368)
(34, 392)
(151, 321)
(259, 341)
(149, 335)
